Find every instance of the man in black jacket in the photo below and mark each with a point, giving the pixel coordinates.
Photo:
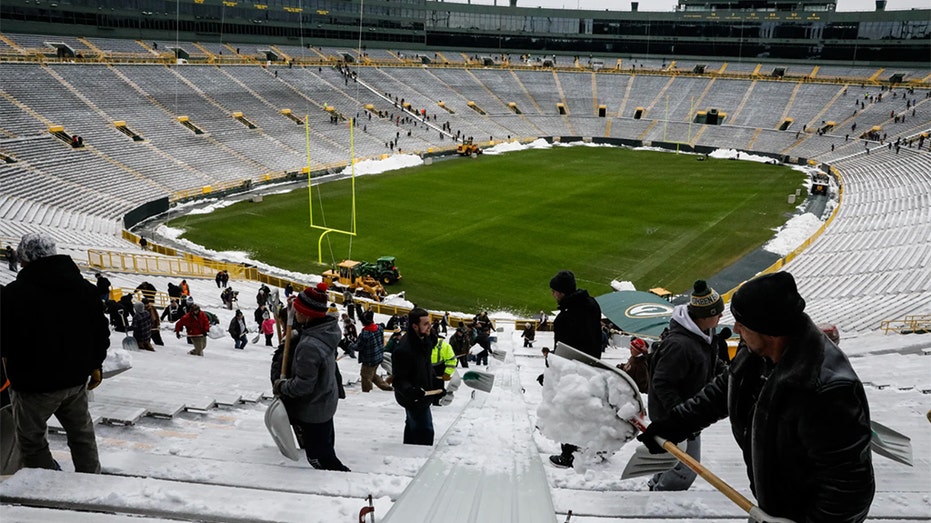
(578, 325)
(684, 362)
(52, 378)
(797, 409)
(413, 376)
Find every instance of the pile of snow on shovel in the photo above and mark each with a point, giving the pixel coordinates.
(586, 407)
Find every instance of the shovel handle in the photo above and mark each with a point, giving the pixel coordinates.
(755, 512)
(287, 344)
(434, 392)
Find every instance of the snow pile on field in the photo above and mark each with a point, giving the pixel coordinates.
(509, 147)
(586, 407)
(733, 154)
(210, 207)
(392, 163)
(793, 233)
(622, 285)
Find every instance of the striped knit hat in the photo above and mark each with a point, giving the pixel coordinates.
(705, 302)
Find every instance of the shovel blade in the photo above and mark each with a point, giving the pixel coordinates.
(129, 343)
(891, 444)
(279, 426)
(642, 463)
(479, 380)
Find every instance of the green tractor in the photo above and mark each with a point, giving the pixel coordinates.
(384, 270)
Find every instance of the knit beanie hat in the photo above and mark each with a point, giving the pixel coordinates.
(368, 318)
(312, 301)
(638, 345)
(705, 302)
(33, 246)
(769, 305)
(563, 282)
(138, 306)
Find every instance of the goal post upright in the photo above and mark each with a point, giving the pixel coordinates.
(310, 200)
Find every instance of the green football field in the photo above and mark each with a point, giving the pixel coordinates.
(490, 232)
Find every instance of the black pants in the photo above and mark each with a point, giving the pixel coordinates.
(157, 337)
(319, 439)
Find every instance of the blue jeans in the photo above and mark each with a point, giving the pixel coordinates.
(240, 342)
(418, 427)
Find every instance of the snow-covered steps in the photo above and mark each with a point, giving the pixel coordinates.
(295, 477)
(175, 500)
(486, 468)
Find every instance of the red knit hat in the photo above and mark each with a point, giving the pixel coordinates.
(638, 344)
(312, 301)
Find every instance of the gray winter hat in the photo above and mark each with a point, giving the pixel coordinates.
(34, 246)
(138, 306)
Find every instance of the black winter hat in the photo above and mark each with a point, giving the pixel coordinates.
(368, 318)
(705, 302)
(769, 305)
(563, 282)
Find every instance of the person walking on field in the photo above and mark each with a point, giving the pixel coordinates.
(413, 377)
(370, 348)
(684, 362)
(578, 325)
(52, 378)
(310, 392)
(797, 410)
(197, 325)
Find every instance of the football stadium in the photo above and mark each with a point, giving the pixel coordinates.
(455, 156)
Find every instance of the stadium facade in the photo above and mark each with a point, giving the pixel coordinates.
(757, 30)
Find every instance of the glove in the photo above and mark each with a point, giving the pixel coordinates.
(446, 399)
(276, 387)
(96, 378)
(418, 394)
(178, 335)
(666, 429)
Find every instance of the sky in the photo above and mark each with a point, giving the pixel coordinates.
(669, 5)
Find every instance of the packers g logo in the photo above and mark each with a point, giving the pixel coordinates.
(648, 310)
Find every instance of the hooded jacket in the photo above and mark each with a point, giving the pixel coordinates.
(412, 370)
(311, 393)
(803, 425)
(684, 362)
(83, 336)
(578, 323)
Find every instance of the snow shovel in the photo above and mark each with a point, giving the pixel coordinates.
(639, 421)
(891, 444)
(499, 355)
(479, 380)
(276, 417)
(884, 441)
(129, 343)
(255, 339)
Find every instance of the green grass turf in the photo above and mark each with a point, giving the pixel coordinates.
(491, 232)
